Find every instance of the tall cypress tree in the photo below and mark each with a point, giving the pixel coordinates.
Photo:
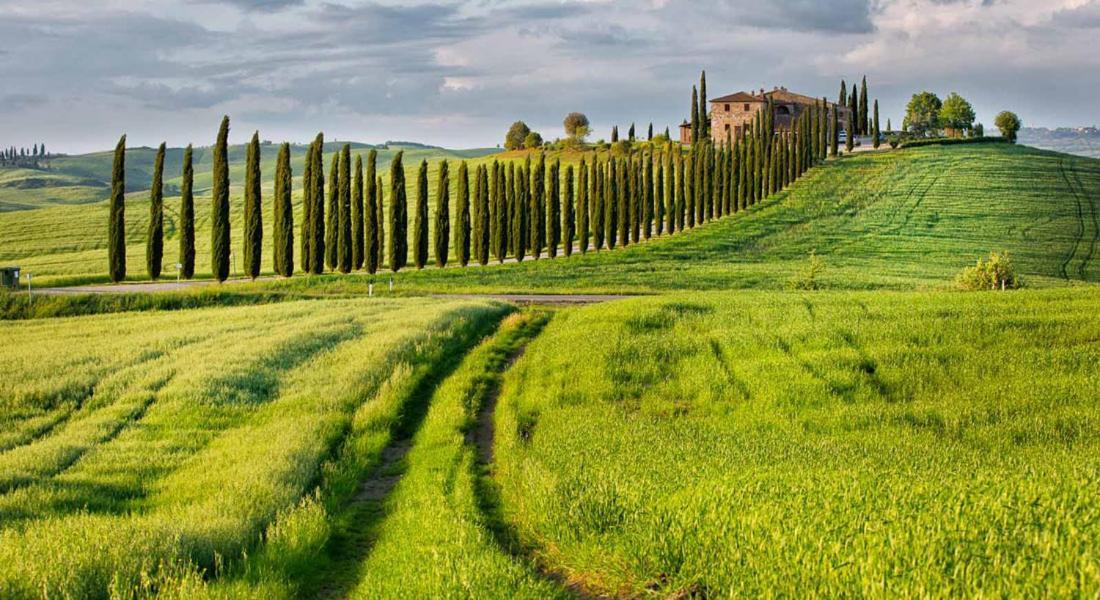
(664, 185)
(538, 207)
(399, 215)
(834, 131)
(849, 129)
(695, 135)
(253, 210)
(842, 100)
(863, 109)
(372, 259)
(442, 230)
(420, 220)
(630, 133)
(497, 224)
(332, 219)
(219, 213)
(317, 212)
(649, 136)
(853, 106)
(343, 218)
(283, 214)
(676, 223)
(553, 206)
(380, 220)
(306, 234)
(462, 215)
(611, 203)
(595, 203)
(647, 197)
(358, 237)
(875, 131)
(154, 248)
(484, 216)
(187, 217)
(704, 121)
(569, 228)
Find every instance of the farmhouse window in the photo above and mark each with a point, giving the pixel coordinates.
(746, 108)
(727, 108)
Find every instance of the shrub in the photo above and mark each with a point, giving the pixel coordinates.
(916, 143)
(807, 278)
(995, 273)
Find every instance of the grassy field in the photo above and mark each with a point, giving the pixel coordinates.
(818, 444)
(904, 220)
(163, 451)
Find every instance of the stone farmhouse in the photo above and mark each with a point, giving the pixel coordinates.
(731, 115)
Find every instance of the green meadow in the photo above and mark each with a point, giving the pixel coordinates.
(719, 435)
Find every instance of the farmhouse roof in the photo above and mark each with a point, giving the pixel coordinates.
(738, 97)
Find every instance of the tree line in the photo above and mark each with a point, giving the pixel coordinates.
(533, 209)
(16, 156)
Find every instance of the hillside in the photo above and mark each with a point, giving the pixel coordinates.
(900, 219)
(86, 178)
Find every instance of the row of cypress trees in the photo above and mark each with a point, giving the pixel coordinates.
(504, 210)
(858, 102)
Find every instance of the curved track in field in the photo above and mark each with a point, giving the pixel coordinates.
(1079, 236)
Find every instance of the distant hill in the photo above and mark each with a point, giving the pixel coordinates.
(86, 178)
(1082, 141)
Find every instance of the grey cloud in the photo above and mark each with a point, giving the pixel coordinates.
(1086, 16)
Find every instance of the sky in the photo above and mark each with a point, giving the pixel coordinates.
(75, 74)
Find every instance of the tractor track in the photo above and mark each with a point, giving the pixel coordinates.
(1079, 236)
(1082, 269)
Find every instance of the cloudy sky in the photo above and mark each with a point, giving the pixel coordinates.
(77, 73)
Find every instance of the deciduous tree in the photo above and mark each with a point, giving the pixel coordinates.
(1009, 124)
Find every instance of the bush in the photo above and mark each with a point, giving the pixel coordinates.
(916, 143)
(807, 278)
(995, 273)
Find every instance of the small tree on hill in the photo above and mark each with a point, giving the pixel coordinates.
(532, 141)
(517, 133)
(922, 114)
(1009, 124)
(576, 125)
(956, 115)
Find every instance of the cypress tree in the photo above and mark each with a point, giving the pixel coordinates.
(743, 174)
(582, 207)
(863, 109)
(520, 225)
(219, 213)
(569, 228)
(853, 106)
(484, 216)
(306, 234)
(631, 202)
(499, 214)
(694, 115)
(704, 122)
(677, 222)
(462, 215)
(553, 206)
(665, 182)
(647, 196)
(514, 227)
(614, 134)
(187, 217)
(595, 204)
(343, 219)
(116, 225)
(538, 207)
(399, 215)
(154, 248)
(317, 212)
(420, 222)
(649, 136)
(253, 210)
(358, 238)
(849, 128)
(442, 230)
(332, 220)
(842, 100)
(380, 221)
(372, 258)
(630, 133)
(611, 203)
(834, 131)
(283, 215)
(474, 234)
(875, 133)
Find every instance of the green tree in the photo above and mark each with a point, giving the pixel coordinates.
(283, 214)
(154, 248)
(582, 206)
(862, 122)
(462, 239)
(484, 216)
(380, 220)
(317, 212)
(842, 100)
(187, 217)
(420, 222)
(704, 119)
(1009, 124)
(630, 133)
(399, 215)
(834, 131)
(956, 115)
(517, 133)
(695, 118)
(553, 205)
(532, 141)
(343, 219)
(371, 232)
(306, 234)
(253, 210)
(850, 131)
(332, 218)
(569, 213)
(647, 196)
(442, 233)
(876, 133)
(576, 125)
(614, 134)
(219, 213)
(922, 114)
(358, 238)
